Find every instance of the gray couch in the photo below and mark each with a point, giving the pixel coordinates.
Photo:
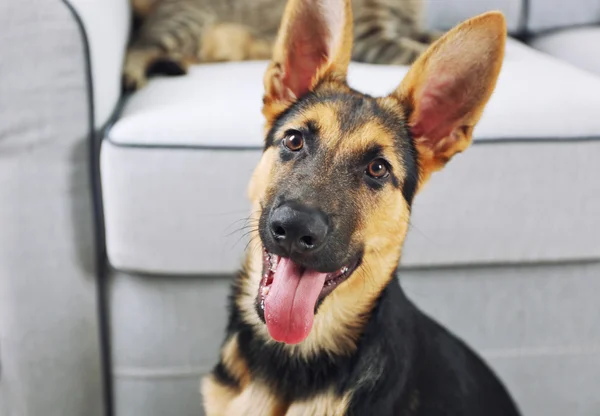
(118, 218)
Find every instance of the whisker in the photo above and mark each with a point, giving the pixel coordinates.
(245, 219)
(249, 232)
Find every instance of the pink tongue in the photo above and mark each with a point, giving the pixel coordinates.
(290, 303)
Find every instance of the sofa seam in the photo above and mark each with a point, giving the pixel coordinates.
(541, 351)
(138, 272)
(480, 142)
(558, 30)
(157, 372)
(166, 372)
(524, 23)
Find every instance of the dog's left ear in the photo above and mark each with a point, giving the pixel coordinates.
(314, 42)
(447, 88)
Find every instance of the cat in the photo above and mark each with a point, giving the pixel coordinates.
(173, 34)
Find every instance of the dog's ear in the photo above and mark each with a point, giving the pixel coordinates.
(447, 88)
(314, 42)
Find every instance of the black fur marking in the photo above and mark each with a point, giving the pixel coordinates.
(371, 32)
(375, 385)
(288, 376)
(373, 152)
(289, 112)
(385, 47)
(166, 67)
(223, 376)
(411, 179)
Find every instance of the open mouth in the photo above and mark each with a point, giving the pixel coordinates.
(289, 295)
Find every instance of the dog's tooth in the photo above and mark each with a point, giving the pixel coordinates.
(274, 262)
(265, 290)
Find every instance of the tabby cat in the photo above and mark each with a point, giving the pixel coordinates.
(176, 33)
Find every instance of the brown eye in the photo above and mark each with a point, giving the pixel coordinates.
(293, 141)
(377, 169)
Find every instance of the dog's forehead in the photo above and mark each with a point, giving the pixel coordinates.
(350, 123)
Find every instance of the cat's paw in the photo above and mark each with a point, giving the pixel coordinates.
(141, 63)
(135, 71)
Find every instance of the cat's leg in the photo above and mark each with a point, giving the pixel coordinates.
(169, 40)
(389, 32)
(142, 8)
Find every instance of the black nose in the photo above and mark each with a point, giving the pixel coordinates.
(297, 228)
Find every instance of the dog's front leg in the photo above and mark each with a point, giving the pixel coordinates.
(216, 396)
(327, 404)
(256, 400)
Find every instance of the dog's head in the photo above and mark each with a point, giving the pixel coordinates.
(333, 190)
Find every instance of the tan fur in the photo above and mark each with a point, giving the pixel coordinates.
(383, 220)
(328, 404)
(143, 8)
(216, 397)
(235, 365)
(184, 31)
(232, 42)
(255, 399)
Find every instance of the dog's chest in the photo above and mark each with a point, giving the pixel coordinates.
(255, 399)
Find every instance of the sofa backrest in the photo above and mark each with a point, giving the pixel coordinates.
(523, 16)
(445, 14)
(545, 15)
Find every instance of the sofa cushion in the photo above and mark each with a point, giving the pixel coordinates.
(578, 46)
(521, 194)
(535, 325)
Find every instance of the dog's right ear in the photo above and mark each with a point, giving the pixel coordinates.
(314, 43)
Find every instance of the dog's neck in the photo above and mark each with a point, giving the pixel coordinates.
(388, 331)
(343, 315)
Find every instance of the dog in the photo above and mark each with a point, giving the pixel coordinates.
(318, 322)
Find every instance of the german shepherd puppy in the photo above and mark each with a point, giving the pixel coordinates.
(318, 322)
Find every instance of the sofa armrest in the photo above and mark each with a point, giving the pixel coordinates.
(106, 28)
(50, 356)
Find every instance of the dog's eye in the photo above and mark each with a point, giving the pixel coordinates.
(377, 169)
(293, 140)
